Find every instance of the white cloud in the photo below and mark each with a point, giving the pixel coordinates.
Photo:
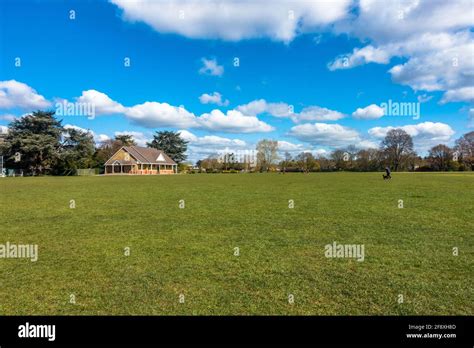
(325, 134)
(370, 112)
(214, 98)
(14, 94)
(385, 21)
(310, 113)
(359, 56)
(235, 20)
(102, 103)
(444, 64)
(211, 67)
(434, 37)
(285, 146)
(154, 114)
(211, 141)
(254, 108)
(317, 113)
(3, 130)
(367, 144)
(424, 134)
(460, 94)
(261, 106)
(233, 122)
(101, 138)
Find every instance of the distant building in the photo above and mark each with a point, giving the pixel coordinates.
(140, 161)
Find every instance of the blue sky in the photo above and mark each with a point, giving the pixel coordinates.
(306, 66)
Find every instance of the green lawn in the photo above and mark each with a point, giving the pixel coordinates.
(190, 251)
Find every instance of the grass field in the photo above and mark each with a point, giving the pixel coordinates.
(190, 251)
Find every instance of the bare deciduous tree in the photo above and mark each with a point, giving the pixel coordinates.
(267, 154)
(397, 145)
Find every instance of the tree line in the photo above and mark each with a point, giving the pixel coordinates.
(396, 151)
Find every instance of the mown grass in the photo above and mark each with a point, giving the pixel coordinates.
(190, 251)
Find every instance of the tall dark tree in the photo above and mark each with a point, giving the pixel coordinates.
(397, 146)
(77, 151)
(171, 143)
(125, 140)
(33, 143)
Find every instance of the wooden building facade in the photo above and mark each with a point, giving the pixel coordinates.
(136, 160)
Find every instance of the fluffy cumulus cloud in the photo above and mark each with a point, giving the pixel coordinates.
(460, 94)
(233, 121)
(154, 114)
(102, 103)
(100, 138)
(370, 112)
(360, 56)
(261, 106)
(213, 98)
(234, 20)
(310, 113)
(286, 146)
(367, 144)
(325, 134)
(439, 62)
(385, 21)
(211, 67)
(211, 141)
(425, 135)
(14, 94)
(317, 113)
(433, 36)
